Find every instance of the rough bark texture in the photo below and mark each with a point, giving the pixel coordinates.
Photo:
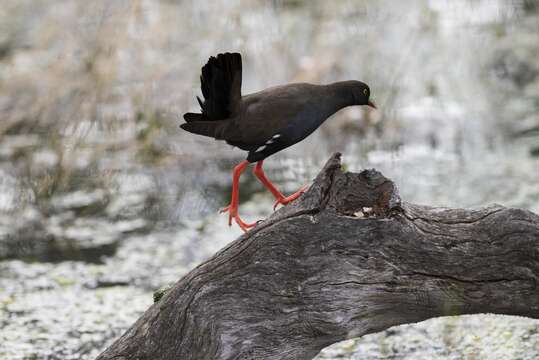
(346, 259)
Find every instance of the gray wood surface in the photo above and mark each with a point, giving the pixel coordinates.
(346, 259)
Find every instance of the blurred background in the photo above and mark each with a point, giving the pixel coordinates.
(103, 199)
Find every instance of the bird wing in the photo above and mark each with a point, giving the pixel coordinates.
(263, 114)
(279, 141)
(221, 86)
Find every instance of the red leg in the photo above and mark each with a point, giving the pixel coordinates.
(280, 198)
(234, 202)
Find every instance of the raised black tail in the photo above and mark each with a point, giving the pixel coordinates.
(221, 86)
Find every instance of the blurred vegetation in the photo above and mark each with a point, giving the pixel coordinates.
(90, 87)
(91, 156)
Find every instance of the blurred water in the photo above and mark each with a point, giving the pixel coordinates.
(103, 199)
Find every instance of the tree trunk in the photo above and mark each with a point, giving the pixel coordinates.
(346, 259)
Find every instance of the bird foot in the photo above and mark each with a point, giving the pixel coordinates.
(233, 214)
(288, 199)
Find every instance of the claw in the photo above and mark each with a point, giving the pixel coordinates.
(224, 210)
(233, 214)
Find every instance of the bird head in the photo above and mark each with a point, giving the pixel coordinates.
(362, 94)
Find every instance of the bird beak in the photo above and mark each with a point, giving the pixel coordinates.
(372, 105)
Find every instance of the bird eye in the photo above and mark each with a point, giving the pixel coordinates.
(366, 92)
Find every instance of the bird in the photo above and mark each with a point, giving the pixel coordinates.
(265, 122)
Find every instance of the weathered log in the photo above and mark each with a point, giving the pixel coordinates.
(346, 259)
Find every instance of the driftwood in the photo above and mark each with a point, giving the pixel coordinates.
(346, 259)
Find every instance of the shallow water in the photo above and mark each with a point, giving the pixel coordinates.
(76, 308)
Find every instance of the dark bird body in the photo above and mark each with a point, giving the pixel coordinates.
(267, 121)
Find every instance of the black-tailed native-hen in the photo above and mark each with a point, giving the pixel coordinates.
(264, 122)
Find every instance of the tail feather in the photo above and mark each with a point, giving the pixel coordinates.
(190, 117)
(221, 85)
(201, 103)
(205, 128)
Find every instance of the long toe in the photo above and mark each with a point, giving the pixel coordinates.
(243, 225)
(224, 210)
(231, 212)
(289, 199)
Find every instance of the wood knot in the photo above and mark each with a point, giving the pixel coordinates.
(367, 194)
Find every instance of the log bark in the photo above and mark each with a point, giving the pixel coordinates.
(346, 259)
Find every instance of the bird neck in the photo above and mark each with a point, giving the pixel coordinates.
(342, 93)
